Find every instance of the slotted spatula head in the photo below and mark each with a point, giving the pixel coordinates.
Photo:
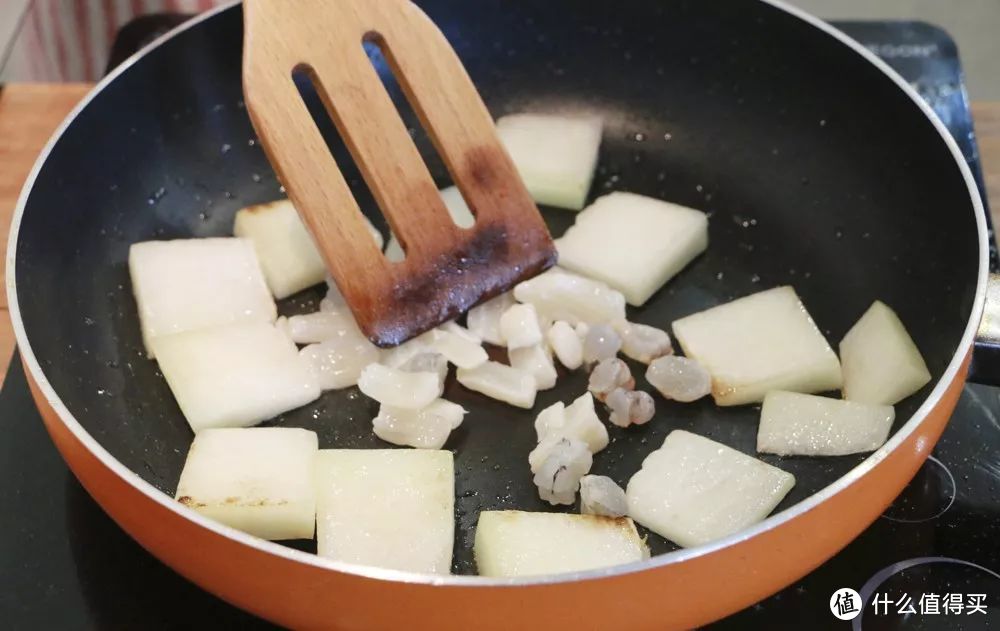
(447, 269)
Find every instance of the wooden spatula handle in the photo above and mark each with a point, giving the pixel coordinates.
(447, 268)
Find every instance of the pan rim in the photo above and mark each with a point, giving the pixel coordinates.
(678, 556)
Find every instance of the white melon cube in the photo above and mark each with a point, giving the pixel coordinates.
(765, 341)
(400, 388)
(426, 428)
(501, 382)
(793, 424)
(191, 284)
(429, 362)
(560, 295)
(882, 364)
(457, 346)
(693, 490)
(388, 508)
(338, 362)
(566, 344)
(399, 356)
(633, 243)
(536, 360)
(519, 327)
(454, 327)
(516, 543)
(258, 480)
(555, 155)
(236, 375)
(312, 328)
(284, 245)
(484, 319)
(457, 208)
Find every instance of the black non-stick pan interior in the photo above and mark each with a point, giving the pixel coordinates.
(816, 169)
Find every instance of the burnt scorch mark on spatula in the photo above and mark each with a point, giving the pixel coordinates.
(489, 261)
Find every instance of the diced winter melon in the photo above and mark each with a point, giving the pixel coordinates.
(555, 155)
(191, 284)
(484, 319)
(400, 388)
(321, 326)
(536, 360)
(882, 364)
(501, 382)
(388, 508)
(286, 250)
(560, 295)
(235, 375)
(458, 210)
(258, 480)
(566, 344)
(693, 490)
(338, 362)
(457, 346)
(426, 428)
(516, 543)
(763, 342)
(793, 424)
(519, 326)
(633, 243)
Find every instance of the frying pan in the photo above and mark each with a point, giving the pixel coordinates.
(819, 167)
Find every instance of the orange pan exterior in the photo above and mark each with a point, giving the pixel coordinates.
(677, 595)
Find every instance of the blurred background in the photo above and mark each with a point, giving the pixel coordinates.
(70, 40)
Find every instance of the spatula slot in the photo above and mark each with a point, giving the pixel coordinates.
(305, 82)
(381, 58)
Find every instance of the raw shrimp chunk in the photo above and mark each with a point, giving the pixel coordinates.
(516, 543)
(763, 342)
(558, 464)
(793, 424)
(258, 480)
(679, 378)
(286, 250)
(388, 508)
(693, 490)
(236, 375)
(644, 343)
(601, 342)
(600, 495)
(629, 407)
(555, 155)
(191, 284)
(609, 375)
(882, 364)
(633, 243)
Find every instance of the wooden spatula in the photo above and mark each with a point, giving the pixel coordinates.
(447, 269)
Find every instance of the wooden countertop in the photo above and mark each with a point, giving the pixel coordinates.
(29, 113)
